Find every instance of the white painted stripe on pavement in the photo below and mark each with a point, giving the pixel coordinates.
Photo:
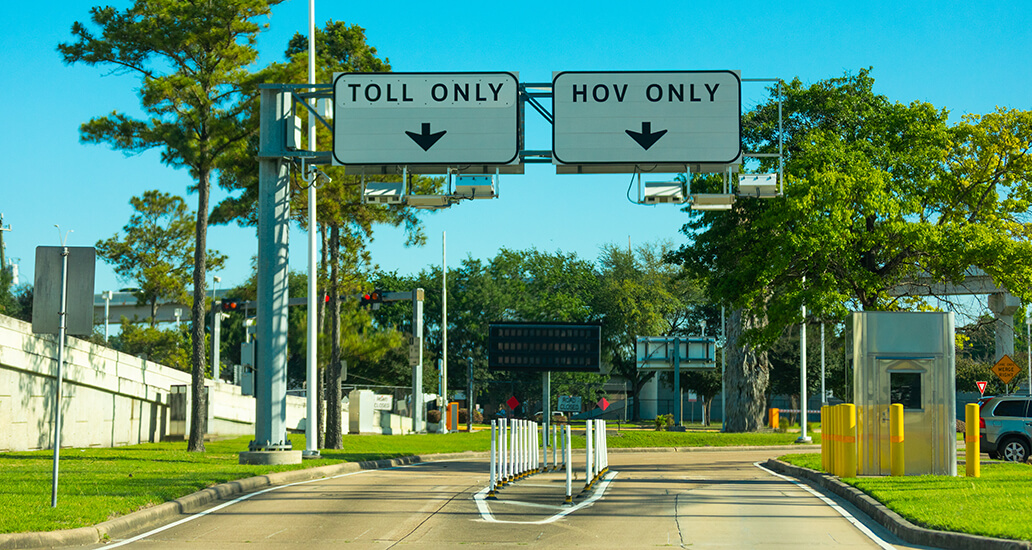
(485, 511)
(849, 517)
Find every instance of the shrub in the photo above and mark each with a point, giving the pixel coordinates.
(664, 421)
(478, 417)
(433, 416)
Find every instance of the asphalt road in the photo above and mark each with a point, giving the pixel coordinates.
(705, 499)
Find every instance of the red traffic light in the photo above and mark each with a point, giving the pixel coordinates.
(231, 304)
(372, 298)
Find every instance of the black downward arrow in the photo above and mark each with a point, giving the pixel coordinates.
(646, 138)
(426, 140)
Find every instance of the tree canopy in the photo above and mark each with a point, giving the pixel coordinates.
(877, 193)
(193, 60)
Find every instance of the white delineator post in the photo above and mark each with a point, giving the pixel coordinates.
(598, 449)
(569, 466)
(513, 465)
(555, 441)
(503, 464)
(494, 463)
(588, 459)
(519, 448)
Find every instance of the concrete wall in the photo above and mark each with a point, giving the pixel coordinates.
(109, 398)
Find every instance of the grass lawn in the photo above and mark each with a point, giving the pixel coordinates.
(100, 484)
(994, 505)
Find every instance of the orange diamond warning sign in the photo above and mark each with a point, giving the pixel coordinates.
(1006, 369)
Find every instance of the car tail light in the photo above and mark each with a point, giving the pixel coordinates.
(981, 422)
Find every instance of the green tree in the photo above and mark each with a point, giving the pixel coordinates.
(166, 347)
(192, 59)
(876, 193)
(155, 252)
(639, 295)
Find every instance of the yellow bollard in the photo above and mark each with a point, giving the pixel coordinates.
(838, 452)
(775, 421)
(896, 454)
(849, 440)
(824, 438)
(971, 420)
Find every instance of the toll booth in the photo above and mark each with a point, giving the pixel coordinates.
(907, 358)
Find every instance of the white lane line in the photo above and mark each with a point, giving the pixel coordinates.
(485, 511)
(849, 517)
(249, 495)
(530, 504)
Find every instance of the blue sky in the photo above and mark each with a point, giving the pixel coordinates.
(967, 57)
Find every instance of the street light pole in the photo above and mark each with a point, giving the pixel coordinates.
(803, 438)
(216, 329)
(107, 312)
(311, 377)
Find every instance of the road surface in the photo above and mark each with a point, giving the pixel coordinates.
(704, 499)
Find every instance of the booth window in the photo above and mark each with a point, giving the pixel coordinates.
(905, 389)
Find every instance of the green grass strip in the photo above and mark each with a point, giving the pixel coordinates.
(993, 505)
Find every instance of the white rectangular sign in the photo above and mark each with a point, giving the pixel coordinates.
(569, 403)
(383, 402)
(676, 117)
(426, 118)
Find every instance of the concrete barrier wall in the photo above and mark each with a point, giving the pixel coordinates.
(109, 398)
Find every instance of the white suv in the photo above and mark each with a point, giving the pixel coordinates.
(1005, 428)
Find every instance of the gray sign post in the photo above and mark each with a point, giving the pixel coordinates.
(62, 304)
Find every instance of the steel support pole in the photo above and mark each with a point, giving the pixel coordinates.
(417, 371)
(444, 326)
(273, 293)
(677, 380)
(803, 438)
(311, 376)
(824, 394)
(59, 378)
(723, 362)
(546, 411)
(470, 402)
(216, 340)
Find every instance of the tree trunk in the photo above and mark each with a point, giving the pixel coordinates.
(198, 360)
(637, 384)
(334, 429)
(154, 313)
(321, 395)
(707, 407)
(745, 377)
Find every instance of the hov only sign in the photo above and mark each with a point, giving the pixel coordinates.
(677, 117)
(425, 118)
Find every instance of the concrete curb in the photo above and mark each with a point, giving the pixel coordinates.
(892, 521)
(144, 520)
(712, 449)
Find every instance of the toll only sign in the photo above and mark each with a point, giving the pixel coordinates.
(425, 118)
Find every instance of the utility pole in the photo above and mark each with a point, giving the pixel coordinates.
(3, 257)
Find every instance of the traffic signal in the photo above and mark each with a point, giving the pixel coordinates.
(374, 299)
(230, 305)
